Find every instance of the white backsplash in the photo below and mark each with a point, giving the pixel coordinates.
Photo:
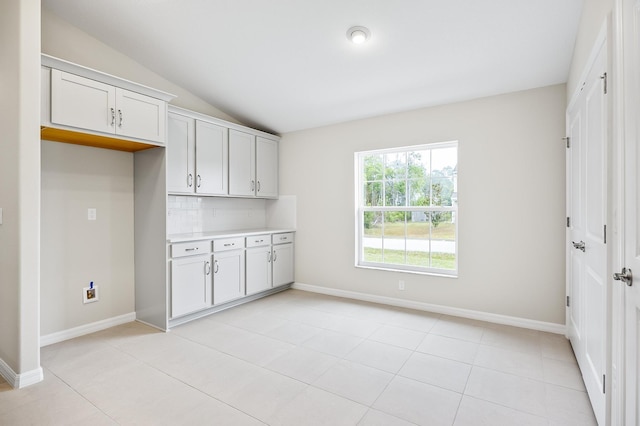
(211, 214)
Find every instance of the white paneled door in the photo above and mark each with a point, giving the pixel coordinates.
(587, 211)
(631, 227)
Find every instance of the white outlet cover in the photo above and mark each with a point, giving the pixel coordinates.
(91, 214)
(85, 299)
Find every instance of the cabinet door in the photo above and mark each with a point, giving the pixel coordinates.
(282, 264)
(258, 269)
(140, 116)
(80, 102)
(242, 154)
(190, 284)
(266, 168)
(180, 154)
(211, 159)
(228, 276)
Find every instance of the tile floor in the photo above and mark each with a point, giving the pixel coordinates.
(298, 358)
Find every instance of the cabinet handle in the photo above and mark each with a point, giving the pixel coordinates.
(199, 179)
(269, 257)
(253, 185)
(258, 241)
(191, 249)
(216, 267)
(258, 186)
(275, 256)
(190, 180)
(207, 268)
(229, 244)
(120, 118)
(113, 117)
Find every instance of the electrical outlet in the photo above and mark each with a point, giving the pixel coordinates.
(91, 214)
(401, 285)
(90, 294)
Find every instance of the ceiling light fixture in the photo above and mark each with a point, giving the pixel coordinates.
(358, 35)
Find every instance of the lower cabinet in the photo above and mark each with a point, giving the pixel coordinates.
(190, 284)
(228, 276)
(282, 264)
(258, 269)
(207, 273)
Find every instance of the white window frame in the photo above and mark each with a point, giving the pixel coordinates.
(360, 208)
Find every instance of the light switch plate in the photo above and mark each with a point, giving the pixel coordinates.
(91, 214)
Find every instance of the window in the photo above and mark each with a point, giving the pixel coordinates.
(407, 208)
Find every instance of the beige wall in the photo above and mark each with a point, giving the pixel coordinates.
(63, 40)
(76, 250)
(19, 184)
(594, 15)
(511, 203)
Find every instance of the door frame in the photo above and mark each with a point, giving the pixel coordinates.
(615, 368)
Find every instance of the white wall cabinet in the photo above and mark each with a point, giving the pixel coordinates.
(190, 284)
(92, 105)
(253, 165)
(228, 270)
(196, 157)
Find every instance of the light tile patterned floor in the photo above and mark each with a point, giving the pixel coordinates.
(298, 358)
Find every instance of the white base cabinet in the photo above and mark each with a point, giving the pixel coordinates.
(190, 284)
(258, 269)
(228, 269)
(282, 264)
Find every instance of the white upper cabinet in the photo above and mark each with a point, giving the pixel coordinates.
(211, 159)
(266, 168)
(196, 157)
(79, 102)
(253, 165)
(95, 106)
(180, 154)
(242, 173)
(140, 116)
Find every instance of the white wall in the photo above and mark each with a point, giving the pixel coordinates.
(594, 15)
(19, 190)
(76, 250)
(511, 203)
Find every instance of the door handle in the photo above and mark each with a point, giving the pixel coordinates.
(624, 276)
(579, 246)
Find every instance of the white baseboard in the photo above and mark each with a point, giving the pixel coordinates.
(439, 309)
(71, 333)
(22, 380)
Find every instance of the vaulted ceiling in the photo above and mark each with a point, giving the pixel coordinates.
(285, 65)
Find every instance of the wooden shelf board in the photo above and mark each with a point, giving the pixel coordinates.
(85, 139)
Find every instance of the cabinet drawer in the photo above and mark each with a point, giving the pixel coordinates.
(190, 248)
(258, 240)
(228, 244)
(283, 238)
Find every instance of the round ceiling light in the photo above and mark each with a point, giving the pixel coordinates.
(358, 35)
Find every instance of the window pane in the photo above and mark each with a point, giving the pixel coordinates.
(443, 240)
(372, 237)
(418, 228)
(394, 243)
(419, 190)
(395, 192)
(444, 168)
(373, 194)
(373, 167)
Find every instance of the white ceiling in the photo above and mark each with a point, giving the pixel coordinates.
(285, 65)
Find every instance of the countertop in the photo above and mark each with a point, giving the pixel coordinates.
(197, 236)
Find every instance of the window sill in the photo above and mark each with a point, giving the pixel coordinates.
(433, 273)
